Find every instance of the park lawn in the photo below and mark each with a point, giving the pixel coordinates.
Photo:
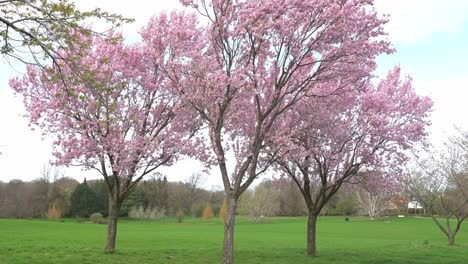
(280, 240)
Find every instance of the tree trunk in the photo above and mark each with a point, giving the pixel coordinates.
(112, 225)
(228, 246)
(311, 234)
(447, 231)
(451, 240)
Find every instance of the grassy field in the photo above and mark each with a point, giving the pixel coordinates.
(282, 240)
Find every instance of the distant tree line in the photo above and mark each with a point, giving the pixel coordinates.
(157, 197)
(68, 197)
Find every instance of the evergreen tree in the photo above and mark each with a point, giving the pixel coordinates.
(100, 188)
(84, 201)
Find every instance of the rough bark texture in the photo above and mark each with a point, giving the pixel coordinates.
(311, 234)
(112, 226)
(228, 246)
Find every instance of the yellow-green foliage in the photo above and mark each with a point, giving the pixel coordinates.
(208, 212)
(223, 211)
(54, 213)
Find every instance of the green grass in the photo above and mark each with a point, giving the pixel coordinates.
(403, 240)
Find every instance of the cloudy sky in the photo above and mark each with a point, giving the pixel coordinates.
(430, 36)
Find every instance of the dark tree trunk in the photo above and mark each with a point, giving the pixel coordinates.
(228, 246)
(311, 234)
(112, 225)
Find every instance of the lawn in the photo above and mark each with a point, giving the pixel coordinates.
(282, 240)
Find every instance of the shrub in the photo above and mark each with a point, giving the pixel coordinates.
(180, 215)
(345, 207)
(156, 213)
(136, 212)
(148, 213)
(223, 211)
(208, 212)
(261, 220)
(96, 218)
(54, 213)
(102, 221)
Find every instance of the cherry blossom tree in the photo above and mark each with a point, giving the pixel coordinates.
(259, 60)
(331, 139)
(111, 110)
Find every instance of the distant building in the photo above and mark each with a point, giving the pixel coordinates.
(414, 205)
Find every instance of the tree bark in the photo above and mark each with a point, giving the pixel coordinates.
(228, 246)
(112, 226)
(451, 240)
(311, 234)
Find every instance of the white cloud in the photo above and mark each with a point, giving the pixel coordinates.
(416, 20)
(450, 105)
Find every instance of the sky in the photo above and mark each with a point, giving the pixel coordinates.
(431, 42)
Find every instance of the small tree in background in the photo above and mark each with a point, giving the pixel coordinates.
(59, 189)
(264, 201)
(193, 184)
(208, 212)
(372, 203)
(440, 185)
(223, 211)
(374, 193)
(180, 215)
(54, 213)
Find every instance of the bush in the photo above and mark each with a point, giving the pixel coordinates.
(261, 220)
(96, 218)
(208, 213)
(102, 221)
(148, 213)
(54, 213)
(180, 215)
(136, 212)
(345, 207)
